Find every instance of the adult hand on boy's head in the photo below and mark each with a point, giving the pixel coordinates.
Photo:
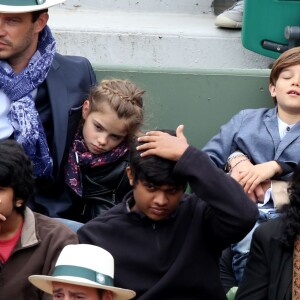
(163, 144)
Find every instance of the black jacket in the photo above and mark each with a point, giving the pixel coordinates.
(268, 274)
(177, 258)
(103, 188)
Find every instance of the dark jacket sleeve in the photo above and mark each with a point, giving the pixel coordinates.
(229, 214)
(226, 272)
(256, 279)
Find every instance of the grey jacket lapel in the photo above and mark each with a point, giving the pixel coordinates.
(271, 124)
(288, 139)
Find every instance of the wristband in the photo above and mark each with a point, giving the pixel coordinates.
(230, 171)
(231, 157)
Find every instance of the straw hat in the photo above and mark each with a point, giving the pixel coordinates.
(84, 265)
(23, 6)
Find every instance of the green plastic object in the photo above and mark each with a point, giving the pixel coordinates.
(231, 293)
(264, 21)
(20, 2)
(202, 100)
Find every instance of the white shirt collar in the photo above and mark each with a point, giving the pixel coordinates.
(283, 128)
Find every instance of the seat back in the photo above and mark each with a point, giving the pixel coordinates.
(264, 24)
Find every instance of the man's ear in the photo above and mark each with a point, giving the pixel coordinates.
(130, 176)
(107, 295)
(41, 22)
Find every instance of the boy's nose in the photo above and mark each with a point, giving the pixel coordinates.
(296, 81)
(160, 198)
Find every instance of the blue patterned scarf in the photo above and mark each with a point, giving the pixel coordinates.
(23, 116)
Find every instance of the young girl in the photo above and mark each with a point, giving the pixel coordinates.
(95, 172)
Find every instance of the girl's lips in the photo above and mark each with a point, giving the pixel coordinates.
(97, 149)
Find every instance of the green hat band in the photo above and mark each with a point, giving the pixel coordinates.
(65, 270)
(22, 2)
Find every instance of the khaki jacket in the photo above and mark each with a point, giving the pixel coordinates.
(36, 252)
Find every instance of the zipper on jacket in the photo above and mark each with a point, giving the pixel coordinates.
(83, 210)
(79, 169)
(156, 236)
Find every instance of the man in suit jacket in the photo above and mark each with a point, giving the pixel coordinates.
(41, 94)
(272, 270)
(269, 270)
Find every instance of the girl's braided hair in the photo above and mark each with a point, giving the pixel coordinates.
(124, 97)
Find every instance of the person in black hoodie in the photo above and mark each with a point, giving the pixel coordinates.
(167, 243)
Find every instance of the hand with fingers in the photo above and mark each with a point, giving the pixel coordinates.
(255, 179)
(163, 144)
(258, 173)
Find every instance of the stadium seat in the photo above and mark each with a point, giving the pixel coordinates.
(271, 26)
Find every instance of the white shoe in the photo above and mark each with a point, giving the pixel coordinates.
(231, 17)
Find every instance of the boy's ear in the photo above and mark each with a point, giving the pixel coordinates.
(272, 90)
(130, 176)
(19, 202)
(85, 109)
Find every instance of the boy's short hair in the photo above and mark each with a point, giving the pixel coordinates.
(153, 169)
(287, 59)
(16, 171)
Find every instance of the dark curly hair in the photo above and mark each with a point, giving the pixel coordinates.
(291, 216)
(16, 171)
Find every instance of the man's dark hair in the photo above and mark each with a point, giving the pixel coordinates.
(291, 217)
(153, 169)
(100, 293)
(36, 14)
(16, 171)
